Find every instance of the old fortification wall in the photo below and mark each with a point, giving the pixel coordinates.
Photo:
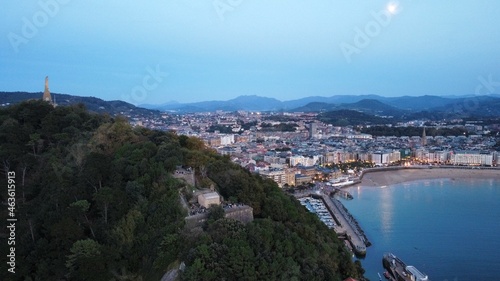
(243, 214)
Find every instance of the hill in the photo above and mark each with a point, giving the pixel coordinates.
(345, 117)
(374, 107)
(417, 103)
(96, 200)
(93, 104)
(368, 106)
(252, 102)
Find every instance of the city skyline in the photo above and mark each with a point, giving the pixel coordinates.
(188, 51)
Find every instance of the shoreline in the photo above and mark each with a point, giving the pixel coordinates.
(392, 177)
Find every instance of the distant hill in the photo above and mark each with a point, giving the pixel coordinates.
(346, 117)
(94, 104)
(315, 107)
(374, 104)
(338, 99)
(482, 106)
(370, 106)
(252, 102)
(258, 103)
(417, 103)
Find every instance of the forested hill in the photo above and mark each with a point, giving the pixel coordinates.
(113, 108)
(95, 200)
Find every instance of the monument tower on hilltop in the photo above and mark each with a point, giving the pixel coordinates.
(46, 93)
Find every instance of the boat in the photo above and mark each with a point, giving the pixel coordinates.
(398, 270)
(343, 183)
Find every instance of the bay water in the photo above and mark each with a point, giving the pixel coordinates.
(447, 228)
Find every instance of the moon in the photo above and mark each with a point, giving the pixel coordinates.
(393, 7)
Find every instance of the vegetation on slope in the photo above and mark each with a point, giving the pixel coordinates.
(346, 117)
(412, 131)
(95, 200)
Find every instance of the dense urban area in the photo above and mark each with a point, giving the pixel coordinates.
(294, 149)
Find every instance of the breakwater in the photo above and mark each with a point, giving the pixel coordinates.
(346, 226)
(353, 223)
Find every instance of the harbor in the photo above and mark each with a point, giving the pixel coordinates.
(317, 207)
(333, 214)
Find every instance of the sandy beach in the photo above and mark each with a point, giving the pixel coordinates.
(384, 178)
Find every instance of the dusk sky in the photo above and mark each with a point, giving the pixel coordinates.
(191, 50)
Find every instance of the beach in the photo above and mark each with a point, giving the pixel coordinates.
(385, 178)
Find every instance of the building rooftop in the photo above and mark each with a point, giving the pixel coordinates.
(211, 195)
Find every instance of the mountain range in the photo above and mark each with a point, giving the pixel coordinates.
(371, 104)
(312, 103)
(400, 108)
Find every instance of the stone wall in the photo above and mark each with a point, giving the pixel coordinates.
(185, 174)
(243, 214)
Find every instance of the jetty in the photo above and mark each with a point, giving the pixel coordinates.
(346, 227)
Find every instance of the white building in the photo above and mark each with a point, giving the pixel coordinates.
(386, 157)
(306, 161)
(340, 156)
(472, 159)
(226, 139)
(433, 156)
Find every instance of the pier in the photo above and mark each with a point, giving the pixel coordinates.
(346, 226)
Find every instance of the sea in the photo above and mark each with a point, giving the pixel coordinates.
(449, 229)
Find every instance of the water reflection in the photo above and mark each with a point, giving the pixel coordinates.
(386, 212)
(425, 225)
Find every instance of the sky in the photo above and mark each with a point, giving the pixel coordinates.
(156, 52)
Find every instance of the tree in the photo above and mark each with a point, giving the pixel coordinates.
(82, 207)
(215, 213)
(86, 261)
(125, 230)
(104, 197)
(97, 168)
